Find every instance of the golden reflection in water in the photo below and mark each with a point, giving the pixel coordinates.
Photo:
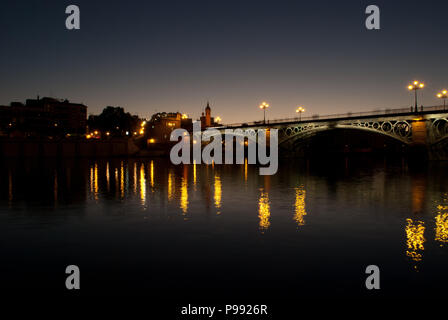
(121, 180)
(442, 224)
(184, 196)
(107, 176)
(415, 239)
(135, 178)
(170, 185)
(299, 206)
(264, 211)
(245, 169)
(152, 173)
(95, 181)
(142, 184)
(218, 192)
(194, 172)
(91, 179)
(442, 228)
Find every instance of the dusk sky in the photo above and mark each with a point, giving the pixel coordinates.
(149, 56)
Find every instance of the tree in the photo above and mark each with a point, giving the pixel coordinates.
(115, 121)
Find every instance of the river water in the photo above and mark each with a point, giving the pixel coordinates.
(145, 226)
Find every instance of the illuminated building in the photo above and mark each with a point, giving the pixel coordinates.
(161, 125)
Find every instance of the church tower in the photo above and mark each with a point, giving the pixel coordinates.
(208, 112)
(206, 119)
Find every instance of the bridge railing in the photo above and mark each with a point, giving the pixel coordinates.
(347, 115)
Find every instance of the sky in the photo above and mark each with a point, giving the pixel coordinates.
(155, 56)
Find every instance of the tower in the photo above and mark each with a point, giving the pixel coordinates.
(208, 112)
(206, 118)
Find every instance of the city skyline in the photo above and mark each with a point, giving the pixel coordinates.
(155, 57)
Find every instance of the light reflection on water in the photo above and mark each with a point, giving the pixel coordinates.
(184, 192)
(264, 210)
(415, 231)
(405, 212)
(142, 184)
(299, 205)
(218, 191)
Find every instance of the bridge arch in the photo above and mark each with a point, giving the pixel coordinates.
(336, 139)
(438, 130)
(400, 130)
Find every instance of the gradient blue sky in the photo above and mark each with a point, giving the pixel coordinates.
(149, 56)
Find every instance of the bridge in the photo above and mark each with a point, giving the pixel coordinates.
(426, 129)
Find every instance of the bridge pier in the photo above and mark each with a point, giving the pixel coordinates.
(419, 130)
(418, 148)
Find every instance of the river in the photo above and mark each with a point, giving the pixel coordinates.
(146, 226)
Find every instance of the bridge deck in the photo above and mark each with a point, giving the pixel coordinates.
(342, 116)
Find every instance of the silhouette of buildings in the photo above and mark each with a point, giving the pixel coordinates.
(43, 117)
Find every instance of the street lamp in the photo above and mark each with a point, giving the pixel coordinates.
(443, 95)
(218, 119)
(263, 106)
(299, 110)
(416, 85)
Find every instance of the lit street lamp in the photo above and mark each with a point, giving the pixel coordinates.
(443, 95)
(218, 119)
(263, 106)
(299, 110)
(416, 85)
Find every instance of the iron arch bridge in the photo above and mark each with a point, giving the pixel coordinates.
(427, 127)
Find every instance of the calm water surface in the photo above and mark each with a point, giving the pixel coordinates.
(146, 226)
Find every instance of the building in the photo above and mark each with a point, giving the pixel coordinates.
(207, 120)
(161, 125)
(43, 117)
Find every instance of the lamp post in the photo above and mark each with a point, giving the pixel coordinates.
(263, 106)
(443, 95)
(416, 85)
(299, 110)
